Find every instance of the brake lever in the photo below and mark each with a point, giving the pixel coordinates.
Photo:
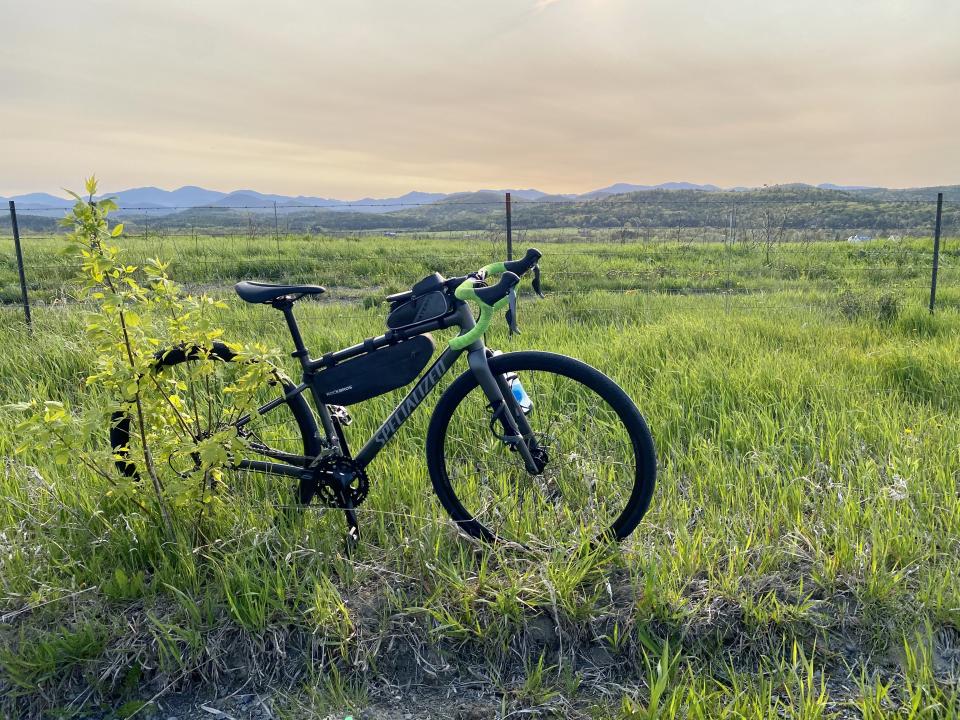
(536, 281)
(512, 312)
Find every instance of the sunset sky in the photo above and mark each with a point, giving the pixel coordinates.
(352, 98)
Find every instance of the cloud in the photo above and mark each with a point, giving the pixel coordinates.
(355, 99)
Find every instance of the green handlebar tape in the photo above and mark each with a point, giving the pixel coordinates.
(496, 268)
(466, 292)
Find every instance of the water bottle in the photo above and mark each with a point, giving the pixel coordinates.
(519, 394)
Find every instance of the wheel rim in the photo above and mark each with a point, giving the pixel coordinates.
(213, 406)
(203, 401)
(588, 479)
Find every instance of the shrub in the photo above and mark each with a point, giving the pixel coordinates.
(884, 308)
(850, 305)
(180, 466)
(888, 307)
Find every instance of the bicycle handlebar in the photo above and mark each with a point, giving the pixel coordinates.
(517, 267)
(495, 293)
(494, 297)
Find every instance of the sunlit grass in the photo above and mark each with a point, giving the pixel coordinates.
(799, 558)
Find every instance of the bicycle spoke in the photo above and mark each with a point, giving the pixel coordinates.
(212, 405)
(587, 480)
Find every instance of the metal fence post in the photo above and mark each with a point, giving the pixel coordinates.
(23, 277)
(936, 252)
(509, 230)
(512, 310)
(276, 233)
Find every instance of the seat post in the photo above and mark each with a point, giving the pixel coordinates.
(285, 305)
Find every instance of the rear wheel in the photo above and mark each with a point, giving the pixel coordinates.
(597, 456)
(201, 400)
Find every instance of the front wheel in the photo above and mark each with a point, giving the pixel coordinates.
(596, 454)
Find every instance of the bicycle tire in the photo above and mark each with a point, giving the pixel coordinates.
(297, 405)
(641, 442)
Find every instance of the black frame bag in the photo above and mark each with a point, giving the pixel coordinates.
(376, 372)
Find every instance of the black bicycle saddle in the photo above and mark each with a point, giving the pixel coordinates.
(258, 292)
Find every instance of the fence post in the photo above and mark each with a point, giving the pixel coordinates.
(23, 277)
(512, 308)
(733, 223)
(276, 232)
(936, 252)
(509, 230)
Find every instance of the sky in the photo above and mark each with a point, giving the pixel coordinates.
(357, 98)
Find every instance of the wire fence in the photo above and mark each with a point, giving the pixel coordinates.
(747, 249)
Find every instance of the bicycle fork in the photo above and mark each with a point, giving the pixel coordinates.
(517, 431)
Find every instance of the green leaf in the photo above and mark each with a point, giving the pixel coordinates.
(117, 229)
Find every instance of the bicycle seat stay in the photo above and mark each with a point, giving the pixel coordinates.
(258, 292)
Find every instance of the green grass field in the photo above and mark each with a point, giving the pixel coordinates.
(378, 265)
(799, 558)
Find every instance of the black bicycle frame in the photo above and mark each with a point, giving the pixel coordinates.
(428, 381)
(477, 357)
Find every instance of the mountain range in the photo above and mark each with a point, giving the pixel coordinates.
(191, 196)
(156, 201)
(673, 205)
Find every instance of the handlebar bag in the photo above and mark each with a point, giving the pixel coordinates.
(376, 372)
(429, 306)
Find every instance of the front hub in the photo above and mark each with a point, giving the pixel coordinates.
(540, 459)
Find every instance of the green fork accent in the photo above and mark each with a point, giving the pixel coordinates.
(466, 292)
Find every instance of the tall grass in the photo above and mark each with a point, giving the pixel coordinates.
(799, 558)
(359, 267)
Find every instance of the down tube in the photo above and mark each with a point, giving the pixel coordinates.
(406, 407)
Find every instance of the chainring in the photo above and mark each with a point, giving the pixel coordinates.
(338, 479)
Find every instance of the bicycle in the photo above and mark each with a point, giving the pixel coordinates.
(508, 445)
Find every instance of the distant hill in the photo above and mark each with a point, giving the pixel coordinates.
(664, 205)
(795, 206)
(478, 197)
(831, 186)
(951, 193)
(187, 196)
(409, 198)
(528, 194)
(622, 188)
(192, 196)
(241, 199)
(382, 205)
(41, 200)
